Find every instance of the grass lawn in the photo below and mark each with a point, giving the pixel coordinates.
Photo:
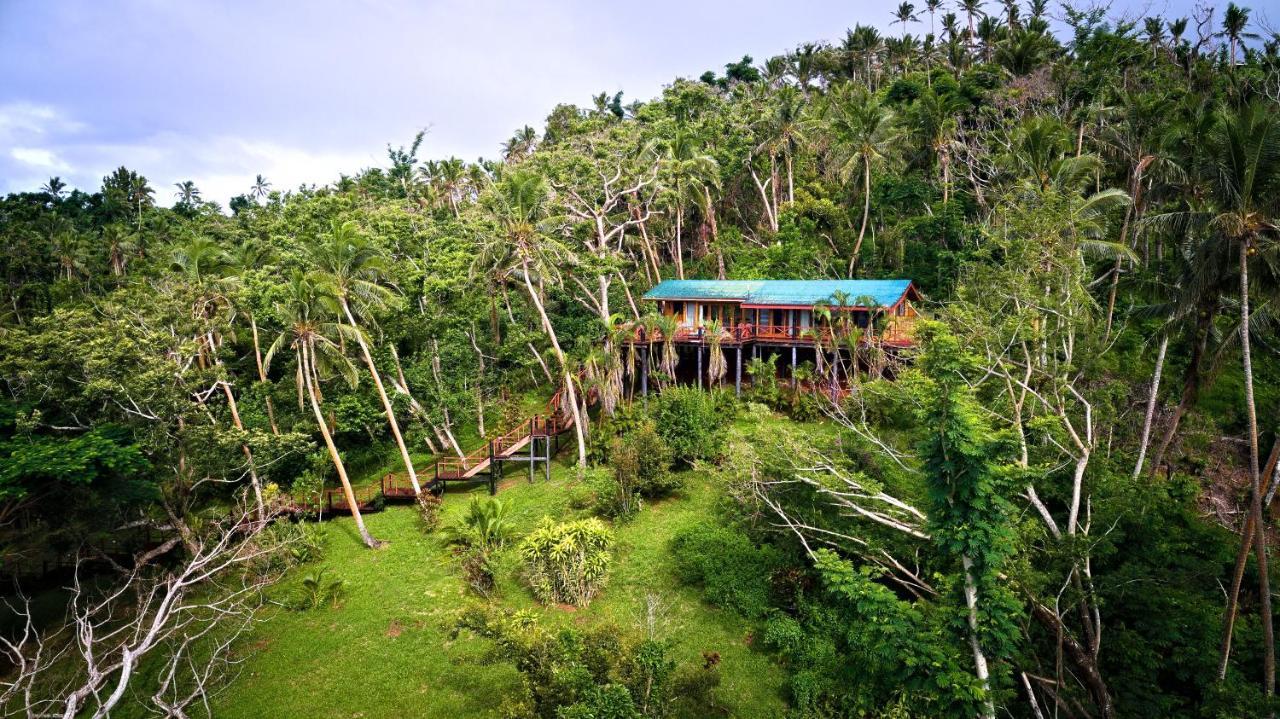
(386, 650)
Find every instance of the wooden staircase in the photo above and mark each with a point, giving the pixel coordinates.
(521, 444)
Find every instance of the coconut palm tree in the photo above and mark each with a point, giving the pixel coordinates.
(245, 258)
(120, 243)
(716, 364)
(187, 194)
(518, 204)
(932, 7)
(667, 326)
(862, 47)
(1243, 216)
(805, 64)
(311, 337)
(260, 187)
(353, 269)
(932, 121)
(520, 146)
(862, 135)
(688, 177)
(1246, 193)
(972, 9)
(905, 13)
(1235, 24)
(55, 188)
(202, 263)
(784, 130)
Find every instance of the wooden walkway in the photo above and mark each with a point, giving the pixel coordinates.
(534, 440)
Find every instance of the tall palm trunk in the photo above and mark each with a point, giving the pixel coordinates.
(866, 213)
(262, 375)
(304, 355)
(564, 367)
(679, 247)
(1151, 406)
(1255, 481)
(386, 401)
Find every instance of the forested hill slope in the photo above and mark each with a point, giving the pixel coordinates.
(1055, 505)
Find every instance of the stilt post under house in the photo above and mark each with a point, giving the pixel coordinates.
(737, 374)
(644, 373)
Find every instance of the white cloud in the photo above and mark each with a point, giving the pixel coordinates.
(25, 119)
(40, 158)
(45, 141)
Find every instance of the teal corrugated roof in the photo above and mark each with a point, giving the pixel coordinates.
(779, 292)
(703, 290)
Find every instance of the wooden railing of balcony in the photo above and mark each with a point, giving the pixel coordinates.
(897, 332)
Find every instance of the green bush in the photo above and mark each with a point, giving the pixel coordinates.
(732, 571)
(567, 562)
(487, 524)
(688, 420)
(612, 494)
(640, 469)
(596, 673)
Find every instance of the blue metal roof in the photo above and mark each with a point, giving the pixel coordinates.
(780, 292)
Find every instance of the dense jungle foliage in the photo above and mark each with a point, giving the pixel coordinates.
(1056, 505)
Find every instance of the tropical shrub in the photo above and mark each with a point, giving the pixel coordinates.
(477, 568)
(567, 562)
(640, 468)
(429, 510)
(732, 571)
(686, 418)
(318, 590)
(596, 673)
(487, 524)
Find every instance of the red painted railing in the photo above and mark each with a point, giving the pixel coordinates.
(897, 332)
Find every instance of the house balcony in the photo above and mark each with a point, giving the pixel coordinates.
(897, 332)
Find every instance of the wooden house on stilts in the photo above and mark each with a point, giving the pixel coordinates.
(792, 323)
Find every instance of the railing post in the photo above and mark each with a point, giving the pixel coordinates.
(493, 487)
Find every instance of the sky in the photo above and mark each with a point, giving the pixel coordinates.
(299, 92)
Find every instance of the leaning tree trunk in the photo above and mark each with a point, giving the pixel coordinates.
(564, 366)
(1237, 574)
(248, 453)
(1255, 481)
(1191, 382)
(244, 446)
(347, 491)
(1151, 406)
(386, 401)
